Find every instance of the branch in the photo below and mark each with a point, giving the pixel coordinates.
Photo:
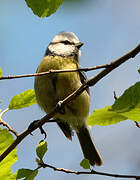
(90, 82)
(68, 171)
(9, 127)
(55, 71)
(115, 96)
(6, 124)
(137, 124)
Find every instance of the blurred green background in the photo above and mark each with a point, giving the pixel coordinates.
(108, 29)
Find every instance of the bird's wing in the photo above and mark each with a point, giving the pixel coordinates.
(83, 78)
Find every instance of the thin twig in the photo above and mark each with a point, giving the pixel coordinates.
(69, 171)
(9, 127)
(2, 122)
(137, 124)
(56, 71)
(115, 96)
(90, 82)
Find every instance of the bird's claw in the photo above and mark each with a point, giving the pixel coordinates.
(32, 126)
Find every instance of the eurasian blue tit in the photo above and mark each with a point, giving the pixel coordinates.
(63, 53)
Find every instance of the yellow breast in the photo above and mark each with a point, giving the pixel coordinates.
(52, 88)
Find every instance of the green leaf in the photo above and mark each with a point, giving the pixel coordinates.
(6, 139)
(38, 161)
(85, 164)
(125, 107)
(104, 117)
(0, 72)
(139, 70)
(133, 114)
(23, 173)
(129, 100)
(41, 149)
(25, 99)
(13, 176)
(129, 103)
(44, 8)
(28, 174)
(32, 175)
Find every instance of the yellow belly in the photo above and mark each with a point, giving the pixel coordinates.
(76, 112)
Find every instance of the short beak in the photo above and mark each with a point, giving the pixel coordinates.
(80, 44)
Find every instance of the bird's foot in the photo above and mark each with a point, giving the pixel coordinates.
(61, 109)
(33, 125)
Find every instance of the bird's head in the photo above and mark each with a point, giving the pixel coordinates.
(65, 44)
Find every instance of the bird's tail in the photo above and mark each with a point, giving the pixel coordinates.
(88, 147)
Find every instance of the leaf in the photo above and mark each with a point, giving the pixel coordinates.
(44, 8)
(129, 100)
(6, 139)
(13, 176)
(25, 99)
(37, 160)
(133, 114)
(41, 149)
(125, 107)
(139, 70)
(129, 103)
(0, 72)
(104, 117)
(28, 174)
(32, 175)
(23, 173)
(85, 164)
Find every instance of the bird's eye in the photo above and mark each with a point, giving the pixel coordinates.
(66, 42)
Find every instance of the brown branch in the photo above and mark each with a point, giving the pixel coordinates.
(9, 127)
(90, 82)
(55, 71)
(2, 122)
(68, 171)
(137, 124)
(115, 96)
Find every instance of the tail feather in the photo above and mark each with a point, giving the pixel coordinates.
(66, 129)
(88, 147)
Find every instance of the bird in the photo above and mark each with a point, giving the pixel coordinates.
(63, 53)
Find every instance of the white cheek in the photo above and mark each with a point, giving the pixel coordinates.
(62, 49)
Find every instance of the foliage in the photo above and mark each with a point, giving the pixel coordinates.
(27, 174)
(129, 100)
(85, 164)
(44, 8)
(104, 117)
(25, 99)
(41, 149)
(125, 107)
(6, 140)
(0, 72)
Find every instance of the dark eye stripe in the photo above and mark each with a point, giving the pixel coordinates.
(66, 42)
